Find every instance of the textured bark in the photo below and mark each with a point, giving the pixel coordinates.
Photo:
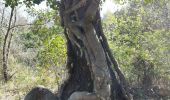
(5, 73)
(90, 60)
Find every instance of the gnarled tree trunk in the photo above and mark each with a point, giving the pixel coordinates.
(90, 61)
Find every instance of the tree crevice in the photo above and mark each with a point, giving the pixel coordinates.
(90, 70)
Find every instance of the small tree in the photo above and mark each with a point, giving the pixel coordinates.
(6, 45)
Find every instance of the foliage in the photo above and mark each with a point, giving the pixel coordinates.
(24, 79)
(132, 34)
(37, 56)
(54, 52)
(29, 3)
(46, 37)
(139, 38)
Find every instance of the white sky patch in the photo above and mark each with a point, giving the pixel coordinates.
(42, 6)
(110, 6)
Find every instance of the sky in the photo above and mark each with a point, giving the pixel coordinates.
(110, 6)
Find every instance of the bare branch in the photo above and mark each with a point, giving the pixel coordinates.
(22, 25)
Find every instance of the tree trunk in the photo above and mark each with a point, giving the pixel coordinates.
(10, 36)
(89, 60)
(5, 48)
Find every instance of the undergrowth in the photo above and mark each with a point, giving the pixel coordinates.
(24, 79)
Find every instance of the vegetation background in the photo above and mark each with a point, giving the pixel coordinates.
(138, 34)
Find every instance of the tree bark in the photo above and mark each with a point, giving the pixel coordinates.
(5, 54)
(89, 59)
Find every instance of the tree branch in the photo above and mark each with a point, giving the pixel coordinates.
(21, 25)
